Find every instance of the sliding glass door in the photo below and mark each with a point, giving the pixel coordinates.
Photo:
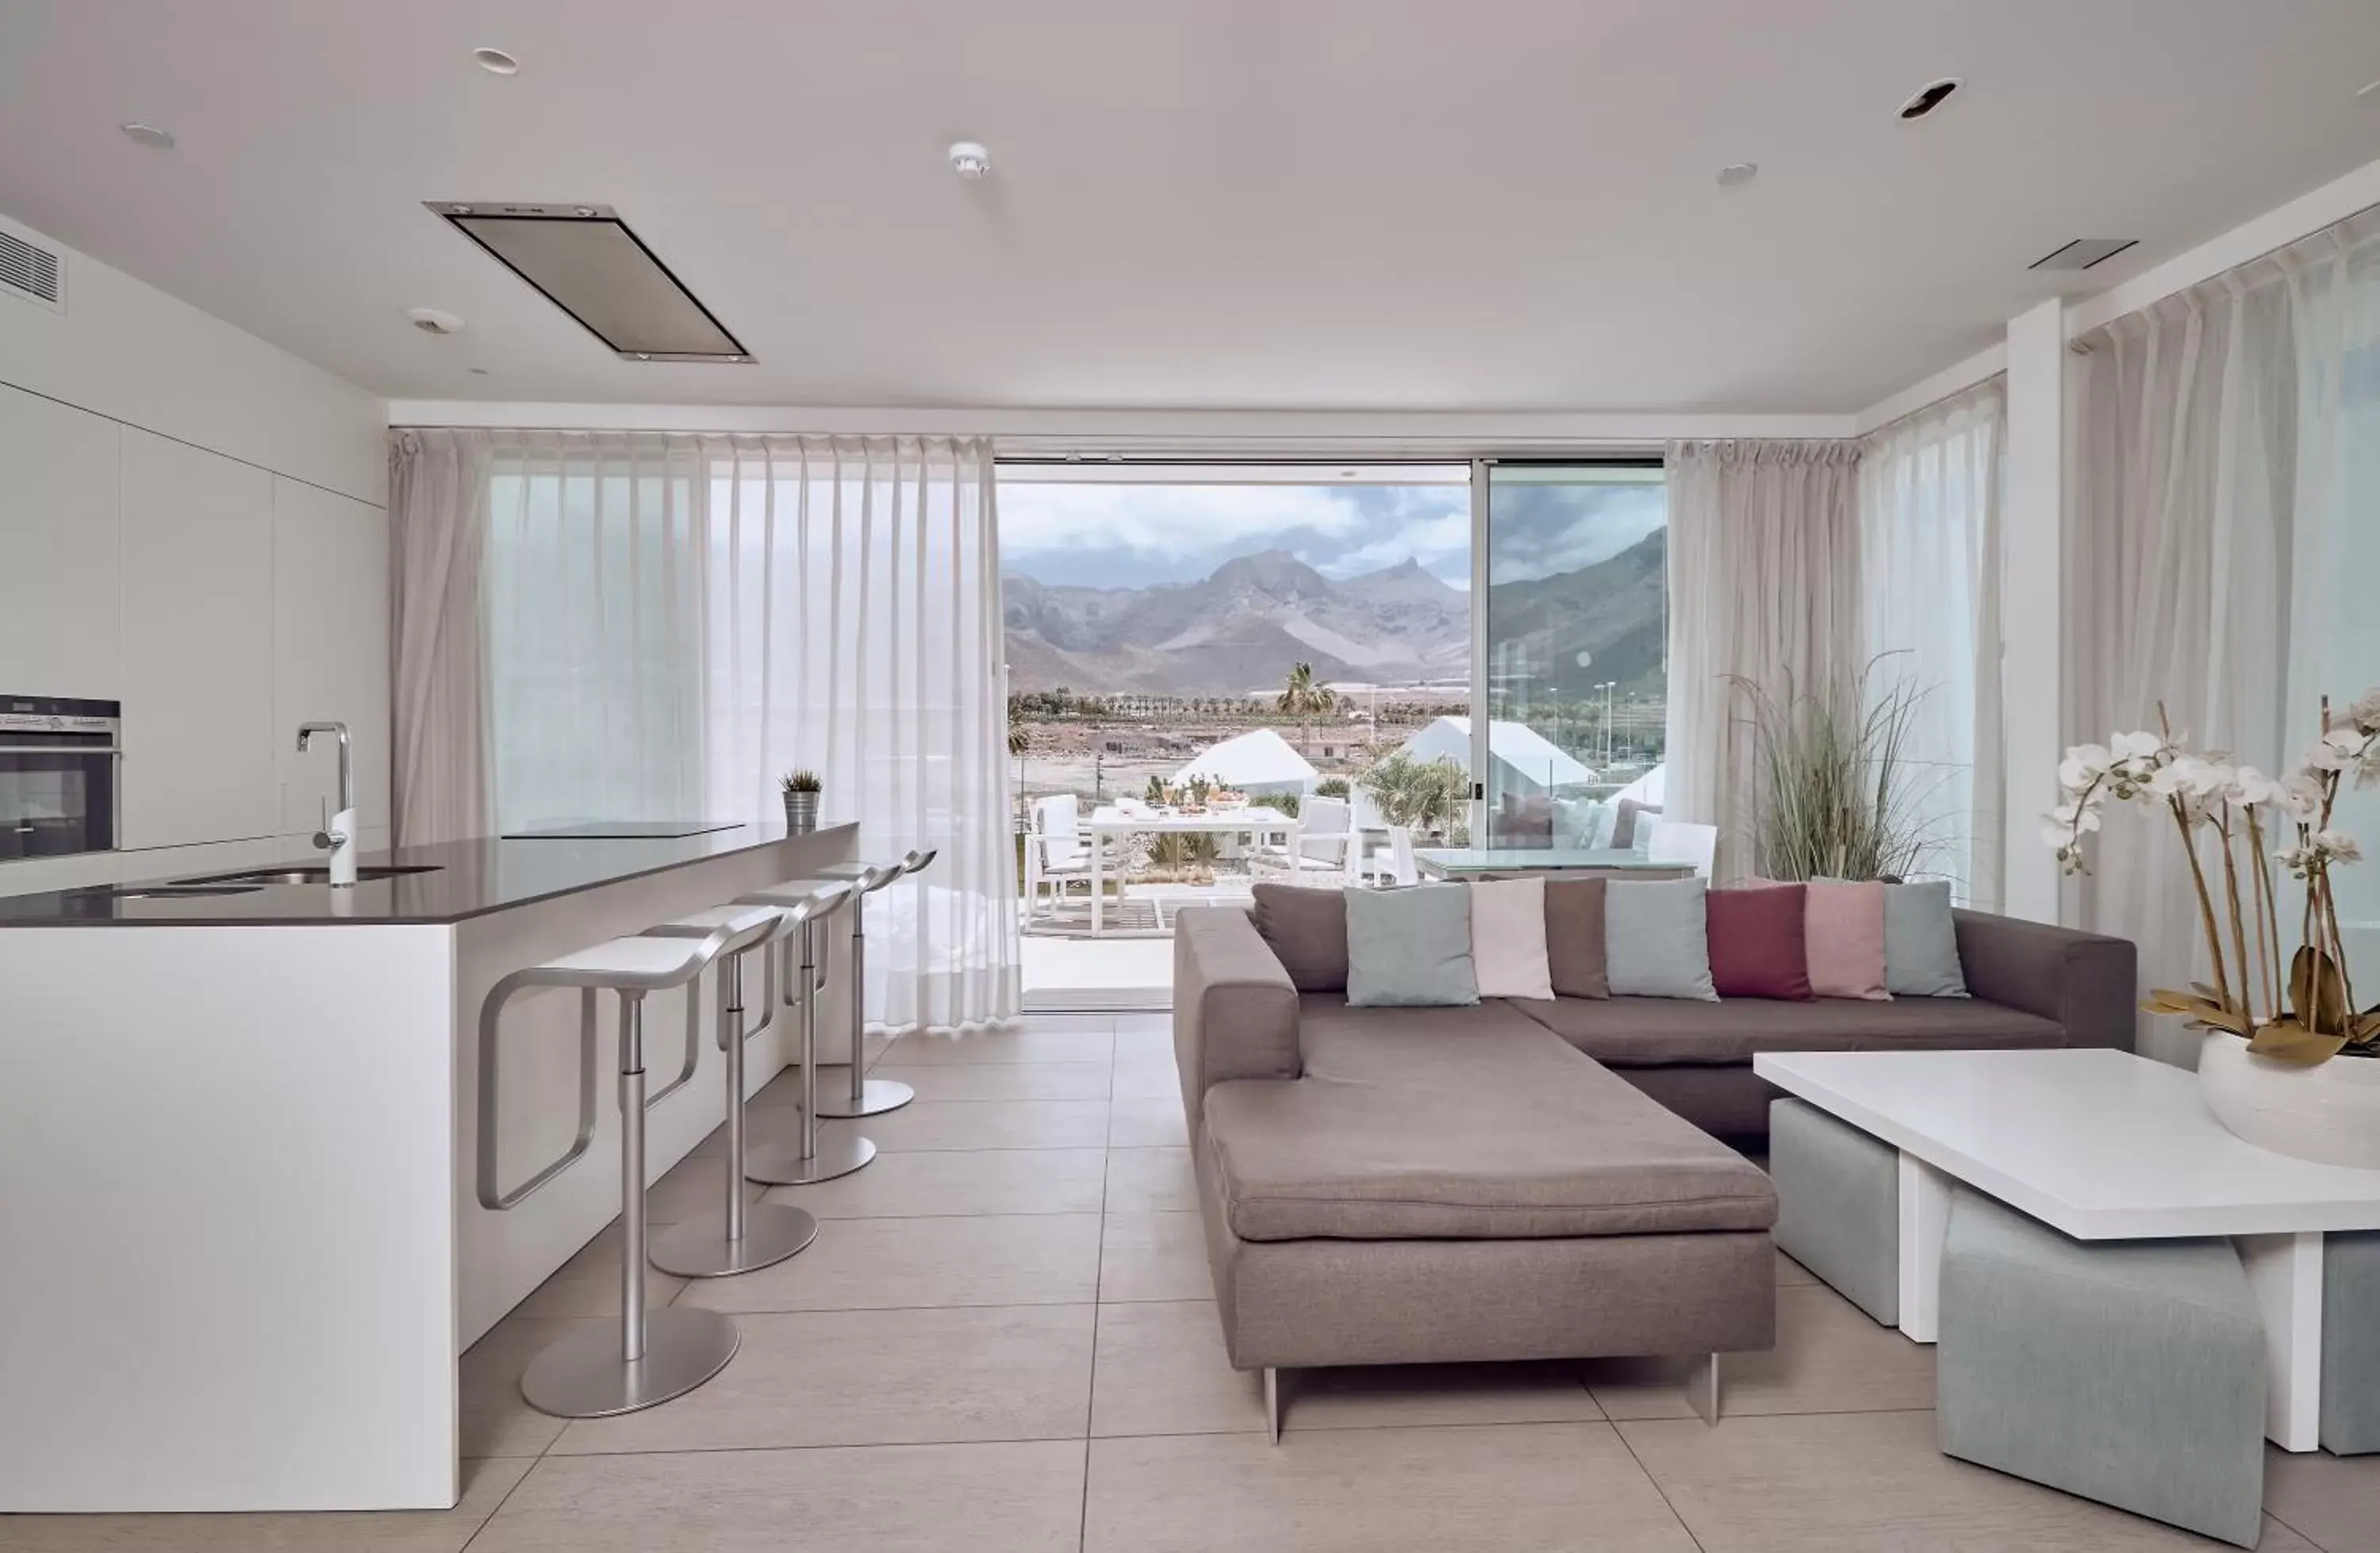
(1573, 660)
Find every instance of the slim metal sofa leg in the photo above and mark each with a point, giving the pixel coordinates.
(1703, 1389)
(1272, 1404)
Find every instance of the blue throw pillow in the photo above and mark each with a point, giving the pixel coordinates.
(1409, 948)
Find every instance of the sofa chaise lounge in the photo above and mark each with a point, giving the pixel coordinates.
(1521, 1180)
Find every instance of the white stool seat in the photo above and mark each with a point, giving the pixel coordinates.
(868, 877)
(794, 892)
(745, 924)
(637, 961)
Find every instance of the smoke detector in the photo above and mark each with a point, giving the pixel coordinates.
(430, 321)
(970, 160)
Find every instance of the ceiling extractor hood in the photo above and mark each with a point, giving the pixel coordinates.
(585, 260)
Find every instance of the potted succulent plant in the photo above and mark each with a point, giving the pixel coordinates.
(2289, 1062)
(801, 791)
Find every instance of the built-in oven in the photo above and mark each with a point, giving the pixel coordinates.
(59, 775)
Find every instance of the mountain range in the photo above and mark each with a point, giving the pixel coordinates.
(1241, 626)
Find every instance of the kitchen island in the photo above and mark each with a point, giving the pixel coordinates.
(240, 1245)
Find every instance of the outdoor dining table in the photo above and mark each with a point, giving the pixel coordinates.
(1111, 821)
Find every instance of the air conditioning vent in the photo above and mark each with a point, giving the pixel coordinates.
(2083, 252)
(33, 272)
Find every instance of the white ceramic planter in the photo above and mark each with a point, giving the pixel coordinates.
(2329, 1112)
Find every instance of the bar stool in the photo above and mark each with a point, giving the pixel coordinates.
(869, 1097)
(655, 1356)
(751, 1235)
(812, 1157)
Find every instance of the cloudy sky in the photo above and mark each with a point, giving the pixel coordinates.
(1138, 534)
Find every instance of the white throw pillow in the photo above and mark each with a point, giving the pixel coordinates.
(1508, 939)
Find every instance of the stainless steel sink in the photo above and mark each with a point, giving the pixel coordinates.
(166, 892)
(316, 874)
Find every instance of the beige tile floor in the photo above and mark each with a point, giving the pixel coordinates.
(1004, 1341)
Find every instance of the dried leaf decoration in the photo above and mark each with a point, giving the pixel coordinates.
(2202, 1012)
(2286, 1040)
(2315, 995)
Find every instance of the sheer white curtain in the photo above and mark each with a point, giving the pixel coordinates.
(595, 629)
(667, 623)
(2227, 473)
(438, 510)
(1929, 582)
(1763, 583)
(854, 628)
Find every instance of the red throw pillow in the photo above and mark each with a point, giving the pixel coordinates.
(1759, 944)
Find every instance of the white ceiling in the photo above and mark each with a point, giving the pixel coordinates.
(1258, 204)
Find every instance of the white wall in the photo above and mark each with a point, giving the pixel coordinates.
(125, 350)
(194, 523)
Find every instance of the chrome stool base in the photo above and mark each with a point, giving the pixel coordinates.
(584, 1376)
(781, 1164)
(879, 1096)
(699, 1248)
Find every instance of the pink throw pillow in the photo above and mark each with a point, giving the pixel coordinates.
(1759, 942)
(1845, 928)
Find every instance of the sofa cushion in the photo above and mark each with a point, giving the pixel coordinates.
(1655, 940)
(1464, 1125)
(1508, 939)
(1575, 938)
(1845, 925)
(1629, 1031)
(1308, 930)
(1758, 948)
(1920, 943)
(1409, 948)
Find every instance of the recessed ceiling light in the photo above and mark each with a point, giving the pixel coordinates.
(1930, 96)
(970, 160)
(148, 134)
(495, 62)
(431, 320)
(1737, 173)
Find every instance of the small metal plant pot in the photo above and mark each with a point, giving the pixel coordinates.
(801, 812)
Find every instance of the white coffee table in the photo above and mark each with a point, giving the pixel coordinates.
(2099, 1145)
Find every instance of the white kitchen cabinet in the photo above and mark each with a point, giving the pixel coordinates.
(200, 756)
(330, 621)
(60, 622)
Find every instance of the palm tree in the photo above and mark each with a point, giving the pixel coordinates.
(1302, 699)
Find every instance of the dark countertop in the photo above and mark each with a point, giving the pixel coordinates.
(470, 878)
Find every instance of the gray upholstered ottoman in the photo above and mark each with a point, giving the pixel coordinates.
(2350, 1343)
(2129, 1372)
(1838, 1205)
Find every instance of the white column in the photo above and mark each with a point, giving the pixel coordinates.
(2032, 538)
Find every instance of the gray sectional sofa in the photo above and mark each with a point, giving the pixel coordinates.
(1407, 1186)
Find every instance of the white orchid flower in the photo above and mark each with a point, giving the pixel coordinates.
(2337, 846)
(2083, 763)
(2076, 818)
(2365, 712)
(2252, 789)
(2137, 746)
(2334, 750)
(2300, 796)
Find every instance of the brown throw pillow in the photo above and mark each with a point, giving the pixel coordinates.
(1308, 931)
(1575, 938)
(1623, 829)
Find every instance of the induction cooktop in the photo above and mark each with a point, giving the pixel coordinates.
(624, 829)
